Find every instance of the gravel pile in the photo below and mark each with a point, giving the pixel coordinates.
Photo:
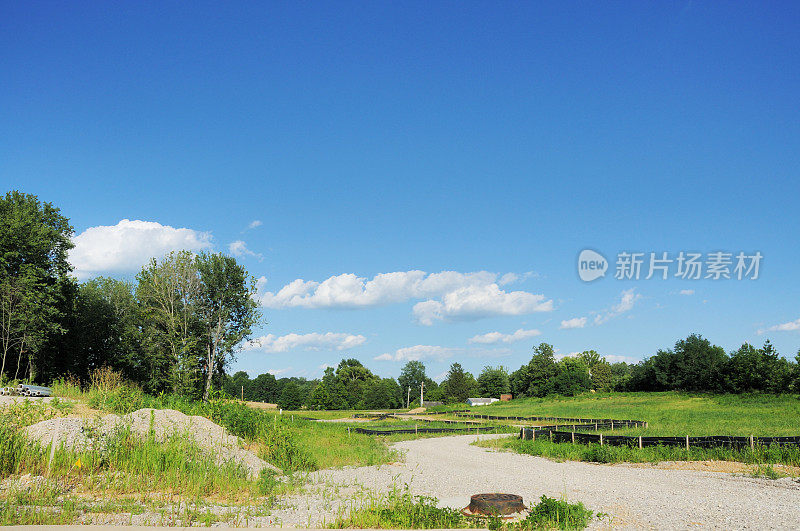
(83, 434)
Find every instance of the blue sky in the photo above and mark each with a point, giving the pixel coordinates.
(449, 143)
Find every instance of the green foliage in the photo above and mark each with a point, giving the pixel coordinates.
(550, 513)
(572, 378)
(400, 510)
(533, 379)
(493, 381)
(459, 384)
(34, 241)
(411, 377)
(291, 396)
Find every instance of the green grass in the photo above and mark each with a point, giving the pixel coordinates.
(400, 510)
(671, 413)
(652, 454)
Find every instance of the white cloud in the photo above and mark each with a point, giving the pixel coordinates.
(577, 322)
(129, 245)
(498, 337)
(239, 249)
(272, 344)
(418, 352)
(474, 302)
(253, 224)
(559, 356)
(614, 358)
(462, 295)
(627, 299)
(783, 327)
(277, 372)
(687, 292)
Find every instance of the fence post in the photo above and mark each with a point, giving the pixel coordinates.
(533, 434)
(640, 442)
(601, 439)
(573, 437)
(612, 425)
(416, 430)
(752, 444)
(595, 426)
(551, 435)
(348, 431)
(687, 443)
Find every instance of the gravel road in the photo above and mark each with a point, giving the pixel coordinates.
(451, 469)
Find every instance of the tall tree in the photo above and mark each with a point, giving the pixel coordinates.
(459, 384)
(225, 307)
(169, 291)
(411, 377)
(34, 241)
(493, 382)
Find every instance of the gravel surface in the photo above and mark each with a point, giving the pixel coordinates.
(451, 469)
(84, 433)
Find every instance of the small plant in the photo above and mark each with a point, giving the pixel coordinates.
(765, 471)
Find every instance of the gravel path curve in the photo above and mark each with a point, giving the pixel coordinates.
(451, 469)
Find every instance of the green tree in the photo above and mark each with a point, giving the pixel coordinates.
(353, 378)
(169, 291)
(225, 307)
(34, 241)
(533, 378)
(459, 384)
(330, 393)
(291, 396)
(411, 377)
(493, 382)
(572, 378)
(104, 329)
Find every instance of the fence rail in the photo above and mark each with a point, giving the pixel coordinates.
(706, 441)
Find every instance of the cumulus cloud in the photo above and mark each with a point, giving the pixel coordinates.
(277, 372)
(687, 292)
(474, 302)
(273, 344)
(627, 299)
(449, 294)
(130, 244)
(417, 353)
(239, 249)
(253, 224)
(577, 322)
(783, 327)
(491, 338)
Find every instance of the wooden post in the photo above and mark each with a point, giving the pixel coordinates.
(601, 439)
(595, 426)
(687, 443)
(573, 437)
(612, 425)
(752, 444)
(640, 442)
(348, 431)
(416, 431)
(533, 434)
(551, 435)
(242, 393)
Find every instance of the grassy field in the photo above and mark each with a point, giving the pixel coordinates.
(667, 414)
(670, 413)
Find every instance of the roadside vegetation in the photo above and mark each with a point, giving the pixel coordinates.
(400, 510)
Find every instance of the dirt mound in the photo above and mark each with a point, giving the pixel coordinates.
(81, 434)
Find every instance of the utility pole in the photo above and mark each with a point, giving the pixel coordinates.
(408, 398)
(421, 387)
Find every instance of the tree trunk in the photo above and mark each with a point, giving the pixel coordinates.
(209, 370)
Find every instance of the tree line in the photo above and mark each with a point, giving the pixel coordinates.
(177, 327)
